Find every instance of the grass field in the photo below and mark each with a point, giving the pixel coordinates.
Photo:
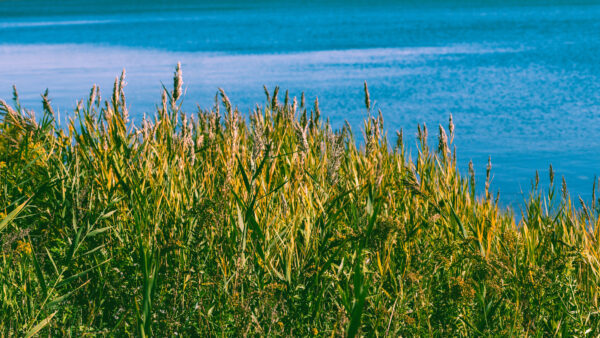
(273, 224)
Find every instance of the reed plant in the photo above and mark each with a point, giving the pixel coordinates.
(274, 224)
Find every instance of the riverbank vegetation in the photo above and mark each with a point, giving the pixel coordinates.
(273, 224)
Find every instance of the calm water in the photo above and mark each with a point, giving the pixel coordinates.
(522, 81)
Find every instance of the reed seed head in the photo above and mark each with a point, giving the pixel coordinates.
(399, 139)
(443, 142)
(177, 82)
(451, 128)
(274, 101)
(367, 98)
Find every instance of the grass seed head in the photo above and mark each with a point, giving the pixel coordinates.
(367, 97)
(177, 83)
(399, 139)
(443, 142)
(451, 128)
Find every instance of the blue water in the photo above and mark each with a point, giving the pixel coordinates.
(521, 78)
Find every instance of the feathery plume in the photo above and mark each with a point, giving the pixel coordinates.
(267, 94)
(293, 111)
(122, 101)
(317, 112)
(258, 142)
(564, 190)
(225, 100)
(472, 177)
(451, 128)
(443, 142)
(274, 101)
(302, 134)
(164, 102)
(115, 93)
(336, 151)
(488, 170)
(177, 83)
(399, 140)
(46, 103)
(367, 97)
(286, 100)
(93, 96)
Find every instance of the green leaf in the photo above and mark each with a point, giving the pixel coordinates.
(357, 311)
(262, 163)
(39, 273)
(244, 176)
(40, 325)
(77, 275)
(13, 214)
(98, 231)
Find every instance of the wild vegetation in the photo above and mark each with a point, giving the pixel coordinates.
(214, 224)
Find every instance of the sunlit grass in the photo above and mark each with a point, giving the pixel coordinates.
(273, 224)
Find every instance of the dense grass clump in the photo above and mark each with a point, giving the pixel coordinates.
(214, 224)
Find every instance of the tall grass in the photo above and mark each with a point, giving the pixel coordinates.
(274, 224)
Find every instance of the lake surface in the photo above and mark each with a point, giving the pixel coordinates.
(522, 79)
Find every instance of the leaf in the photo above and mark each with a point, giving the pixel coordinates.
(262, 163)
(98, 231)
(77, 275)
(108, 214)
(40, 325)
(52, 261)
(244, 176)
(13, 214)
(74, 245)
(357, 311)
(38, 272)
(59, 299)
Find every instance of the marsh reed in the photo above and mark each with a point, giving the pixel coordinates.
(213, 224)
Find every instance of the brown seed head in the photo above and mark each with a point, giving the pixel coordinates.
(177, 82)
(367, 98)
(443, 142)
(451, 129)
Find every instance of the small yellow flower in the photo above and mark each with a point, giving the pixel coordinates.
(315, 331)
(280, 325)
(23, 247)
(2, 164)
